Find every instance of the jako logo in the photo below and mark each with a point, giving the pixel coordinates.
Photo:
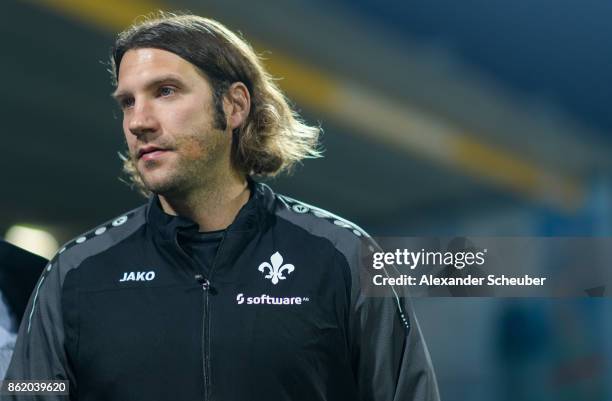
(268, 300)
(138, 276)
(276, 269)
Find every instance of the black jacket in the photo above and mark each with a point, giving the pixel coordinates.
(124, 314)
(19, 271)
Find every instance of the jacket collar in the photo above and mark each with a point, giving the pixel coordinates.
(249, 218)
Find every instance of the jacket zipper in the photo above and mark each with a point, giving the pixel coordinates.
(206, 286)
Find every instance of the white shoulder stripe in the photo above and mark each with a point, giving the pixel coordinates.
(303, 208)
(34, 302)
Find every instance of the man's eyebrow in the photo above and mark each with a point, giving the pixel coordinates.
(164, 79)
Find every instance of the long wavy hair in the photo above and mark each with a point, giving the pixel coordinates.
(273, 138)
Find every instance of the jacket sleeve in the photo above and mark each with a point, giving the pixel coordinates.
(39, 352)
(390, 359)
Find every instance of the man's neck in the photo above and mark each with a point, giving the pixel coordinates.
(212, 208)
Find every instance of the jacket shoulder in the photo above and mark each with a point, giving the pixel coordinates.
(346, 236)
(100, 238)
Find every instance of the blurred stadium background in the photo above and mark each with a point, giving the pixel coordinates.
(440, 118)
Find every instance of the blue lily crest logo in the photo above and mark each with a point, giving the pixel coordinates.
(276, 269)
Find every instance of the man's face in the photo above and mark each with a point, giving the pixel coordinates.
(168, 122)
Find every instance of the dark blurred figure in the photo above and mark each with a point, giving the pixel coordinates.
(19, 271)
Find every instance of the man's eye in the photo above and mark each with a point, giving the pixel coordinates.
(166, 91)
(126, 103)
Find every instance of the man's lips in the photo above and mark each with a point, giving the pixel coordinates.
(150, 152)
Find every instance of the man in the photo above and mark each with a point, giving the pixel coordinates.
(218, 288)
(19, 271)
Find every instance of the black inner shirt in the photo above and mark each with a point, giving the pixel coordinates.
(202, 247)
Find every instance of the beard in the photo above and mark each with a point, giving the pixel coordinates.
(193, 162)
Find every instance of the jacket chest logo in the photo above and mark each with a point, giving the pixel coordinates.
(276, 269)
(137, 276)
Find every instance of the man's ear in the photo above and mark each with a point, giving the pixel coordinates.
(236, 104)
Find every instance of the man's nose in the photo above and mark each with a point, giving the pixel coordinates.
(142, 120)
